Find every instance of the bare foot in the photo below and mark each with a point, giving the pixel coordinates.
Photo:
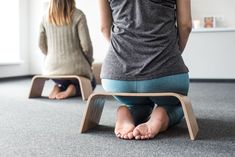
(54, 92)
(158, 122)
(70, 91)
(124, 125)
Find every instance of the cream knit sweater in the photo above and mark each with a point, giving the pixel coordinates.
(68, 49)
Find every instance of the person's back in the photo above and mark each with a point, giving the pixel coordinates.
(145, 57)
(65, 41)
(144, 41)
(65, 54)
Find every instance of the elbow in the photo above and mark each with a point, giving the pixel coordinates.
(105, 30)
(190, 26)
(187, 27)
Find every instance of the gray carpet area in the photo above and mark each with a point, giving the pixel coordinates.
(50, 128)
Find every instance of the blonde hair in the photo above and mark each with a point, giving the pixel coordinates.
(61, 11)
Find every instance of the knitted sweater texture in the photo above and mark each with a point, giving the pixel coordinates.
(68, 49)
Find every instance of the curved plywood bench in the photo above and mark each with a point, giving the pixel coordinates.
(38, 83)
(96, 101)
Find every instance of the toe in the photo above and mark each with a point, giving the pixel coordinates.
(137, 137)
(146, 137)
(60, 96)
(136, 132)
(50, 97)
(142, 137)
(122, 136)
(118, 134)
(130, 135)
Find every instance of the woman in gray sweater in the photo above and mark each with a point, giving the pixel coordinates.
(66, 43)
(145, 57)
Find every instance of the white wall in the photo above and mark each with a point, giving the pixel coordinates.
(91, 9)
(36, 56)
(217, 8)
(210, 54)
(200, 8)
(32, 11)
(20, 69)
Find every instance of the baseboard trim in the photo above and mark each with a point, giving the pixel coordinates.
(213, 80)
(191, 80)
(13, 78)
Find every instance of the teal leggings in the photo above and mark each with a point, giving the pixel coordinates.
(141, 107)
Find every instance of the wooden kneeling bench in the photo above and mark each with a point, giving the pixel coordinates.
(38, 83)
(95, 104)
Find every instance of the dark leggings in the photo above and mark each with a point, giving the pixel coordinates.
(63, 84)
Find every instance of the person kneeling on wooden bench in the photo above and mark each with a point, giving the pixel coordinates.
(65, 41)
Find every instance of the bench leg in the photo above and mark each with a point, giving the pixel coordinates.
(37, 87)
(189, 117)
(85, 87)
(92, 114)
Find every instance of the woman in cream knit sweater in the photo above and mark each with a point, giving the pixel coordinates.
(65, 41)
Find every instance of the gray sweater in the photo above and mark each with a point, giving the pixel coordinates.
(144, 41)
(68, 49)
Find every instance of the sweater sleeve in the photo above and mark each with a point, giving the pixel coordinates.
(85, 41)
(43, 39)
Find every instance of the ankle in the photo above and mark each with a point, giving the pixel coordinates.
(160, 117)
(124, 114)
(71, 90)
